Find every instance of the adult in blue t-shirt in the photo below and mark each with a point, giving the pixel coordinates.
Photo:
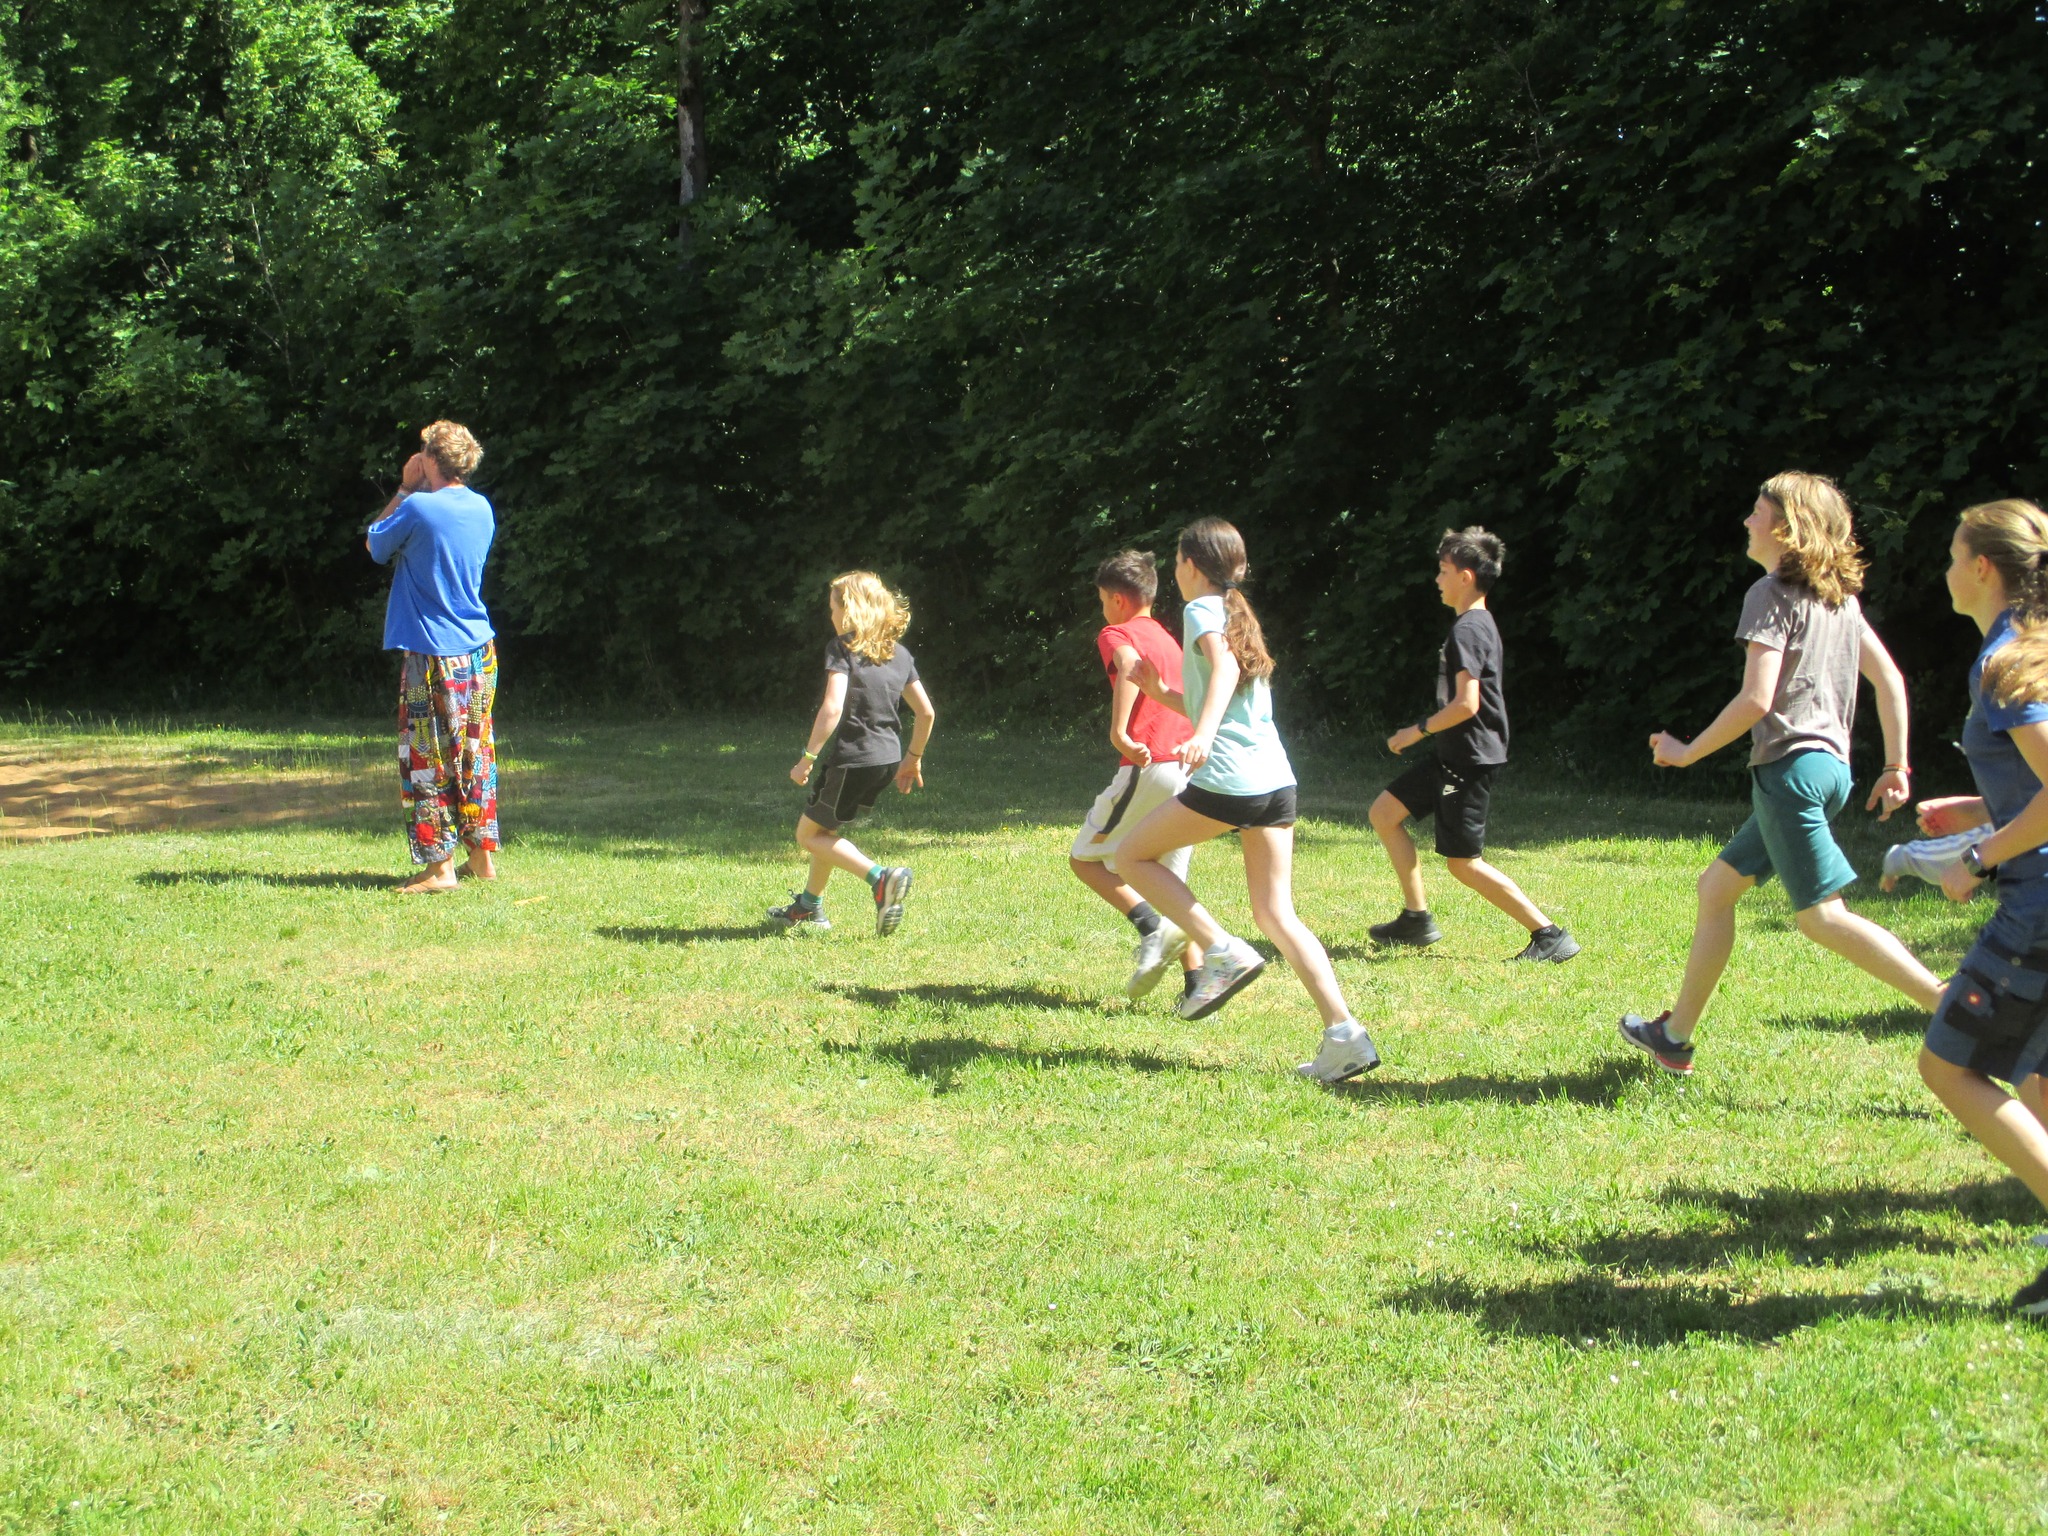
(436, 533)
(1992, 1020)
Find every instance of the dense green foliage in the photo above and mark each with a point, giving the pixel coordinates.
(980, 292)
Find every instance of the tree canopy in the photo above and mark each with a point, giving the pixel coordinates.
(975, 294)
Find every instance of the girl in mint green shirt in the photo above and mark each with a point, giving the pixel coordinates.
(1238, 777)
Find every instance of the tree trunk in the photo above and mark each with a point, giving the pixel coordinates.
(689, 109)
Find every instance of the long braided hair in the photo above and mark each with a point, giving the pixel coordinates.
(2013, 536)
(1216, 549)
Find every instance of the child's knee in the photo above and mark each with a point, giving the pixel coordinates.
(1466, 871)
(1386, 814)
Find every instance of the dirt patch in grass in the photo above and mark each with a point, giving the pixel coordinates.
(51, 797)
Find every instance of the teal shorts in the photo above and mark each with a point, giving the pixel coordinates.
(1787, 834)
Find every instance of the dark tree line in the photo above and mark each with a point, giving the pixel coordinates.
(976, 293)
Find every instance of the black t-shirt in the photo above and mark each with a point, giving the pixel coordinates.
(1473, 646)
(867, 730)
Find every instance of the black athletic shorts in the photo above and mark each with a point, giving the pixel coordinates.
(1456, 797)
(840, 793)
(1273, 810)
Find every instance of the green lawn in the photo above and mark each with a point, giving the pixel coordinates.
(578, 1204)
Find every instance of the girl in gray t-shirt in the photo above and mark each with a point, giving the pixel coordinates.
(1807, 642)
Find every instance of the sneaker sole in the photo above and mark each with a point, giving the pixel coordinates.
(1142, 983)
(889, 916)
(1221, 998)
(1681, 1071)
(1406, 943)
(1355, 1070)
(1555, 957)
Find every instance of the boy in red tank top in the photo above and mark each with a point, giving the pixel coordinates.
(1146, 734)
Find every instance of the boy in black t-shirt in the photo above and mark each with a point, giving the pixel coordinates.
(869, 673)
(1470, 728)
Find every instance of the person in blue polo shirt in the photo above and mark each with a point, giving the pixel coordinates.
(436, 533)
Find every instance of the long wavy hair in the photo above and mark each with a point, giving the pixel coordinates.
(1820, 543)
(2013, 536)
(875, 617)
(1216, 549)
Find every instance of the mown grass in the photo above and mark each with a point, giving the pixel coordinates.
(577, 1204)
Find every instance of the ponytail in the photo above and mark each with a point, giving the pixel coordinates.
(1216, 549)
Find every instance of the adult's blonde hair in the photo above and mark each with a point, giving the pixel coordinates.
(1820, 543)
(451, 446)
(875, 616)
(2013, 536)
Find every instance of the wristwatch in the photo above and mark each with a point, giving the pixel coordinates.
(1422, 727)
(1976, 865)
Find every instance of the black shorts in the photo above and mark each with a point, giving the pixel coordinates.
(1456, 797)
(1272, 810)
(840, 793)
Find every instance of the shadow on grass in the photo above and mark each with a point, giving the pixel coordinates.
(1602, 1086)
(724, 935)
(349, 880)
(966, 994)
(939, 1060)
(1880, 1024)
(1596, 1307)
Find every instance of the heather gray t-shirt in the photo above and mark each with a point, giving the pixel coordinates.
(1815, 704)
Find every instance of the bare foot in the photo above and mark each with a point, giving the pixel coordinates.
(1888, 883)
(480, 865)
(424, 885)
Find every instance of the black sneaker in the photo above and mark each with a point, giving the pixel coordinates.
(2031, 1300)
(794, 915)
(1416, 928)
(1552, 944)
(1648, 1036)
(889, 893)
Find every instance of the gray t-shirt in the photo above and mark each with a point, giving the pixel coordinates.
(1815, 704)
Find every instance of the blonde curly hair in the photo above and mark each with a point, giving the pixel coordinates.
(1820, 544)
(875, 617)
(452, 448)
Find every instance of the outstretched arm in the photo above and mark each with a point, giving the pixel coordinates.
(822, 725)
(1894, 786)
(1759, 686)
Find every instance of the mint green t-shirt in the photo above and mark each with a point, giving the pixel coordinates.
(1247, 758)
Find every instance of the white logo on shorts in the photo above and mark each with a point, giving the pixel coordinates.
(1448, 789)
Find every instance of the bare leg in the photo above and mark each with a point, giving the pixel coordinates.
(1869, 948)
(2034, 1094)
(1169, 827)
(481, 864)
(1389, 817)
(1269, 876)
(1106, 883)
(828, 851)
(2002, 1123)
(1713, 941)
(1478, 875)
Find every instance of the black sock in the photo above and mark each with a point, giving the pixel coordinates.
(1187, 981)
(1143, 918)
(1548, 930)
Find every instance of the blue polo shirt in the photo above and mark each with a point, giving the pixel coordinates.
(2003, 777)
(439, 540)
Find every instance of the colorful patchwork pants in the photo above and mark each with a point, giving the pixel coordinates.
(447, 762)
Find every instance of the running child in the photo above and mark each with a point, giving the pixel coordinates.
(1455, 785)
(868, 673)
(1148, 736)
(1991, 1025)
(1807, 640)
(1238, 777)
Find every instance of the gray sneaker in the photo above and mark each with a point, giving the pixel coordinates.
(1552, 944)
(1149, 961)
(889, 893)
(1346, 1052)
(1227, 969)
(793, 916)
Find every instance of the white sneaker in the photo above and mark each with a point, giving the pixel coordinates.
(1155, 952)
(1227, 969)
(1346, 1052)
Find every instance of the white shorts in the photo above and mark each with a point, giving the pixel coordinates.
(1133, 794)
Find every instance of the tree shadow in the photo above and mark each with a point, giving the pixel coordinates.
(724, 935)
(965, 994)
(939, 1060)
(351, 880)
(1601, 1086)
(1609, 1310)
(1880, 1024)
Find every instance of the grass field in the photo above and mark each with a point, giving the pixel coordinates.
(577, 1204)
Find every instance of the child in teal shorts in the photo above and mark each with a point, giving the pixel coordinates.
(1807, 643)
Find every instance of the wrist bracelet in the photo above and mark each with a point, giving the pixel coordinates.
(1898, 768)
(1422, 726)
(810, 757)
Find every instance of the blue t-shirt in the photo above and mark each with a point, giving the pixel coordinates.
(2003, 777)
(440, 539)
(1246, 758)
